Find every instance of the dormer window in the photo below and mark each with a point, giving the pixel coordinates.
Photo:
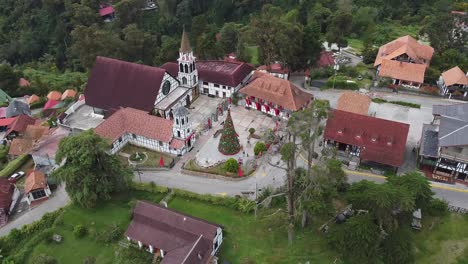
(340, 131)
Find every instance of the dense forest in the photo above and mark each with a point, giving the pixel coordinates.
(59, 36)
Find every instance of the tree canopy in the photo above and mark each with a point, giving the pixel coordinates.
(90, 174)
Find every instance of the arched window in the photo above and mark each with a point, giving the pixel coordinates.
(191, 67)
(181, 67)
(184, 80)
(177, 121)
(186, 119)
(182, 121)
(186, 68)
(178, 133)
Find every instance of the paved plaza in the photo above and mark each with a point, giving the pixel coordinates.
(243, 120)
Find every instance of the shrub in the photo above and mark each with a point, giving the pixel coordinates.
(38, 104)
(80, 231)
(259, 147)
(251, 130)
(14, 165)
(341, 83)
(379, 100)
(413, 105)
(231, 165)
(437, 207)
(236, 203)
(89, 260)
(148, 187)
(110, 234)
(235, 98)
(44, 259)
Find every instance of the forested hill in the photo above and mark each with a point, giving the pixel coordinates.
(69, 34)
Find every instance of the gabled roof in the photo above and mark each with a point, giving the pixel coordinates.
(114, 84)
(276, 90)
(20, 124)
(6, 194)
(453, 128)
(20, 146)
(35, 180)
(54, 95)
(129, 120)
(354, 102)
(406, 44)
(429, 141)
(381, 140)
(16, 108)
(274, 68)
(69, 93)
(33, 98)
(181, 236)
(326, 59)
(405, 71)
(228, 73)
(185, 43)
(455, 76)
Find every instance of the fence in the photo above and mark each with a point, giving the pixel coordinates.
(457, 209)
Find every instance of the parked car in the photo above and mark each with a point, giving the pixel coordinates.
(16, 176)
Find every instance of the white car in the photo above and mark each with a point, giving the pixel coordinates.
(16, 176)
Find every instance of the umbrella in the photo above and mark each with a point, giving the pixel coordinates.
(161, 162)
(240, 171)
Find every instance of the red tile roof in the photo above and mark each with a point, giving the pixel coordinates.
(381, 140)
(354, 102)
(35, 180)
(276, 90)
(172, 231)
(54, 95)
(33, 98)
(455, 76)
(114, 84)
(20, 146)
(274, 68)
(7, 121)
(69, 93)
(406, 44)
(106, 11)
(6, 194)
(405, 71)
(129, 120)
(20, 124)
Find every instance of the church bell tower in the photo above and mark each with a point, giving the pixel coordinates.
(188, 74)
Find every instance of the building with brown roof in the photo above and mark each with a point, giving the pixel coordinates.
(368, 138)
(454, 81)
(132, 126)
(44, 150)
(69, 93)
(24, 144)
(172, 235)
(36, 187)
(274, 96)
(409, 52)
(9, 195)
(276, 69)
(354, 102)
(54, 95)
(18, 126)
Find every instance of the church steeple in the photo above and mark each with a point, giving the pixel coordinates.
(185, 43)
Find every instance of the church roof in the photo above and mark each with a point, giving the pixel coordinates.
(114, 84)
(185, 43)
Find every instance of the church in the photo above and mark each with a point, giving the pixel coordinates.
(115, 84)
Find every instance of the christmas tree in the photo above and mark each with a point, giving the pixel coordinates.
(229, 142)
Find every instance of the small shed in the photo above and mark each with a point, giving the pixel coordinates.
(36, 187)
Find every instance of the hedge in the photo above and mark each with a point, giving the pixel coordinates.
(413, 105)
(339, 83)
(14, 165)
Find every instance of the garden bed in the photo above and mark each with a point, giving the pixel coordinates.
(218, 169)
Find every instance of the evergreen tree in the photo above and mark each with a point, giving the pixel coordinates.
(229, 142)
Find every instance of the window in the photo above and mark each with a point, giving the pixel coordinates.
(186, 119)
(181, 67)
(216, 85)
(184, 80)
(134, 136)
(177, 121)
(120, 139)
(160, 143)
(178, 133)
(182, 121)
(205, 83)
(38, 194)
(206, 90)
(188, 130)
(186, 68)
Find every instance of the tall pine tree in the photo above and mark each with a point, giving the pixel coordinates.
(229, 142)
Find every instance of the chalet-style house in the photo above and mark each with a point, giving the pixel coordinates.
(276, 69)
(274, 96)
(443, 149)
(129, 125)
(370, 139)
(174, 236)
(404, 60)
(9, 195)
(354, 102)
(36, 188)
(453, 81)
(159, 90)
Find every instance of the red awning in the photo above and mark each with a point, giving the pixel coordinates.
(267, 108)
(6, 121)
(161, 162)
(258, 106)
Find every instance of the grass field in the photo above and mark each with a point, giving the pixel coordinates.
(254, 54)
(445, 243)
(356, 44)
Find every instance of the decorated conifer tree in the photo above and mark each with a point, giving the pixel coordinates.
(229, 142)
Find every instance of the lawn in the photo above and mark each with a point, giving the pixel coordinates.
(153, 156)
(356, 44)
(74, 250)
(254, 54)
(446, 242)
(242, 235)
